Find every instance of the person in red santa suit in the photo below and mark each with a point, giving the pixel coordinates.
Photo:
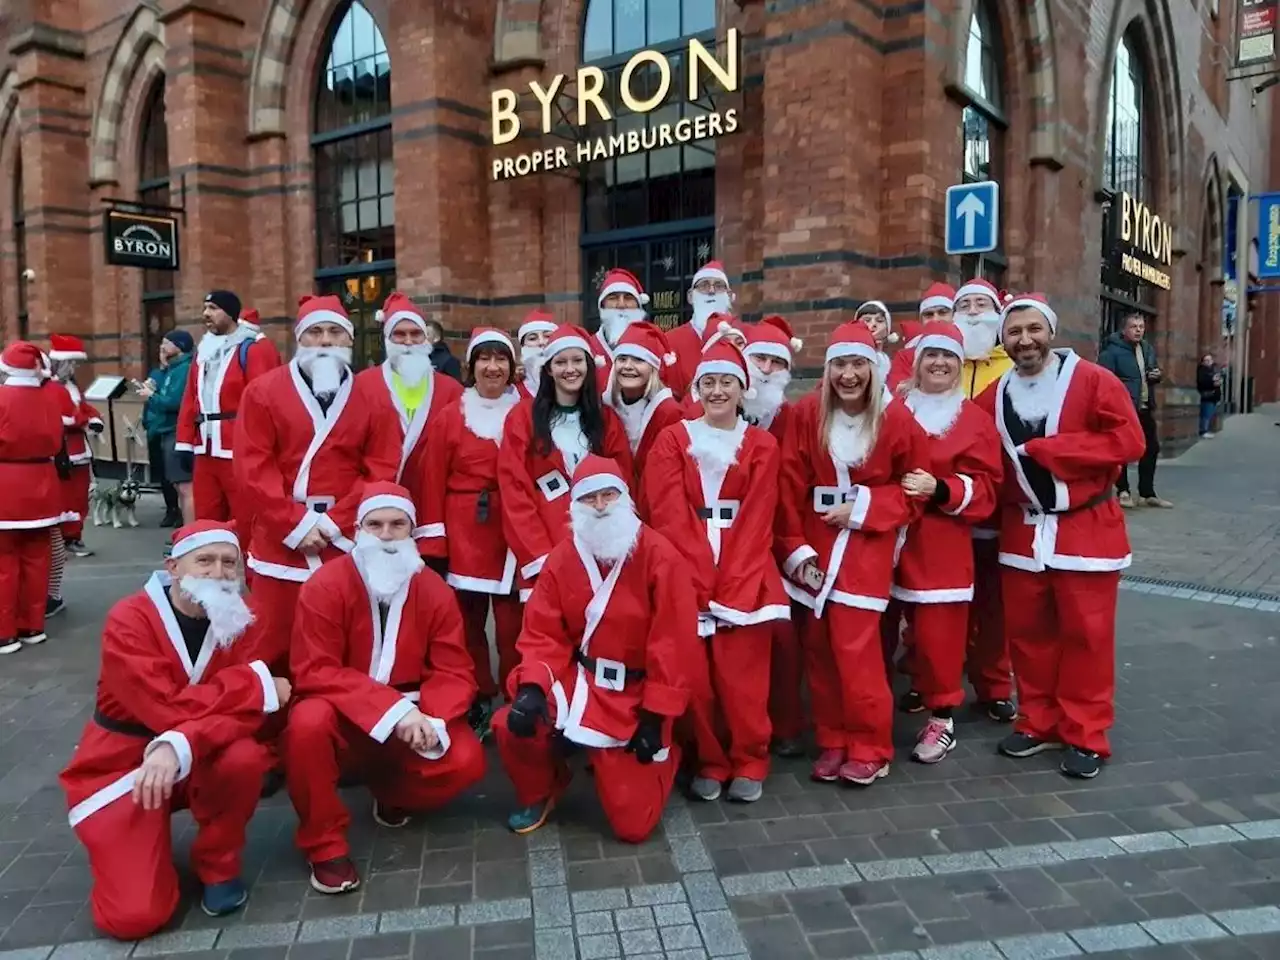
(406, 389)
(875, 314)
(621, 303)
(533, 335)
(938, 305)
(461, 513)
(383, 683)
(543, 442)
(720, 327)
(80, 418)
(230, 356)
(843, 506)
(307, 444)
(603, 663)
(709, 294)
(957, 488)
(30, 492)
(718, 476)
(635, 391)
(179, 701)
(1067, 427)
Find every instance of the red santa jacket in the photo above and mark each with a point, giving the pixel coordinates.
(79, 417)
(602, 355)
(535, 486)
(303, 468)
(734, 573)
(936, 561)
(1091, 432)
(686, 344)
(460, 501)
(857, 560)
(211, 403)
(373, 677)
(586, 630)
(30, 437)
(373, 389)
(150, 692)
(643, 427)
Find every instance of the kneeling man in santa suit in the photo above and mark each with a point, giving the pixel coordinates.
(178, 704)
(607, 634)
(1067, 427)
(384, 680)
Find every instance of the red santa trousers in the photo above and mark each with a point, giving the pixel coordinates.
(214, 493)
(739, 660)
(1061, 626)
(135, 883)
(320, 745)
(75, 499)
(275, 603)
(939, 633)
(988, 667)
(508, 614)
(848, 688)
(632, 794)
(786, 673)
(25, 556)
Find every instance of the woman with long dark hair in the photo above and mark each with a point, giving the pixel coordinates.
(544, 441)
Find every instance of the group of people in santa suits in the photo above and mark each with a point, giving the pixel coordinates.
(664, 541)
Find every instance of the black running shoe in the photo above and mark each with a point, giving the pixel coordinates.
(1021, 745)
(1001, 711)
(1081, 764)
(911, 702)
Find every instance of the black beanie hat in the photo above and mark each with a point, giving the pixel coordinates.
(226, 301)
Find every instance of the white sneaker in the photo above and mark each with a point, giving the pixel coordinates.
(10, 645)
(937, 739)
(704, 788)
(1207, 436)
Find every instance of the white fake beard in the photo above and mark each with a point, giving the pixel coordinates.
(326, 366)
(1032, 397)
(532, 359)
(713, 449)
(935, 412)
(229, 615)
(614, 322)
(770, 394)
(980, 334)
(704, 305)
(485, 418)
(850, 438)
(412, 361)
(609, 535)
(385, 567)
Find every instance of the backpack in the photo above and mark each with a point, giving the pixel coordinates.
(242, 353)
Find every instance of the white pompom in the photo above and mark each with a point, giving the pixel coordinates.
(749, 393)
(643, 299)
(796, 344)
(380, 316)
(724, 326)
(669, 359)
(893, 338)
(600, 361)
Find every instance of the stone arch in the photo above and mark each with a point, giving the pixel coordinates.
(1213, 219)
(139, 49)
(517, 33)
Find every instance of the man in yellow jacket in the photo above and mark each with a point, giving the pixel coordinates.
(978, 317)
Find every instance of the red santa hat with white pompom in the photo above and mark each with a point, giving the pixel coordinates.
(313, 310)
(851, 339)
(63, 346)
(382, 495)
(940, 336)
(722, 357)
(878, 306)
(618, 280)
(568, 337)
(980, 288)
(23, 360)
(720, 325)
(1029, 301)
(773, 337)
(492, 336)
(645, 341)
(596, 473)
(713, 270)
(939, 296)
(398, 307)
(202, 533)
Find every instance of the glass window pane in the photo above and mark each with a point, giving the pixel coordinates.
(664, 21)
(597, 36)
(628, 25)
(699, 16)
(355, 85)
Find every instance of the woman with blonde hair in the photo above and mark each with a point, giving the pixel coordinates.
(842, 506)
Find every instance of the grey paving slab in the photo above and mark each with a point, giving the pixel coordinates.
(1039, 946)
(593, 924)
(419, 918)
(590, 900)
(1123, 936)
(257, 935)
(338, 928)
(1187, 929)
(178, 941)
(1247, 922)
(92, 950)
(704, 891)
(551, 907)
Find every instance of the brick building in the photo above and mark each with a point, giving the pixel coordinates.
(339, 146)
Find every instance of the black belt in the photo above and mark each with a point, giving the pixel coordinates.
(122, 726)
(709, 513)
(409, 686)
(591, 663)
(26, 459)
(1098, 498)
(211, 417)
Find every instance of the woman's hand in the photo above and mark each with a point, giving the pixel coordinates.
(919, 483)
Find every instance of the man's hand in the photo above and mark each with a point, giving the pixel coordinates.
(284, 689)
(414, 729)
(313, 542)
(527, 708)
(153, 783)
(838, 516)
(919, 483)
(1155, 374)
(147, 390)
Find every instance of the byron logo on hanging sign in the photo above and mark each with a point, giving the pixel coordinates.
(1143, 241)
(648, 81)
(141, 240)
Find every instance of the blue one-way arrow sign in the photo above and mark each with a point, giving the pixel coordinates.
(973, 217)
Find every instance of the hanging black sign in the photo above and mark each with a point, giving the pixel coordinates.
(141, 240)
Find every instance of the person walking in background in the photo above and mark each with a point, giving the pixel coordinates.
(1133, 360)
(1209, 383)
(442, 358)
(162, 391)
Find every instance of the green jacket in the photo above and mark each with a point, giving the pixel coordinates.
(160, 415)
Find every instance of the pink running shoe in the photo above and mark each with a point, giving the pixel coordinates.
(826, 768)
(937, 739)
(864, 772)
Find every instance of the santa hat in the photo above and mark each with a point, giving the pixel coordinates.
(251, 319)
(940, 336)
(384, 494)
(538, 320)
(851, 339)
(719, 325)
(313, 310)
(711, 271)
(596, 473)
(398, 307)
(488, 335)
(980, 288)
(202, 533)
(618, 280)
(878, 306)
(22, 359)
(723, 357)
(568, 337)
(938, 295)
(63, 346)
(646, 342)
(773, 337)
(1034, 301)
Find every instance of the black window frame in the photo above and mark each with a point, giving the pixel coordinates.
(985, 110)
(154, 189)
(20, 249)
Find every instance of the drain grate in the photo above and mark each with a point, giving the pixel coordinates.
(1201, 588)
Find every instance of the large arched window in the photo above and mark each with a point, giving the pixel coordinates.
(652, 213)
(153, 190)
(20, 249)
(983, 124)
(1126, 168)
(354, 174)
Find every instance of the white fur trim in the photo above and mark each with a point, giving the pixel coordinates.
(390, 323)
(638, 352)
(767, 348)
(838, 350)
(21, 371)
(533, 567)
(270, 699)
(20, 378)
(310, 519)
(566, 343)
(798, 557)
(441, 730)
(428, 531)
(398, 711)
(880, 307)
(597, 482)
(708, 367)
(939, 341)
(965, 500)
(384, 501)
(489, 336)
(535, 326)
(977, 290)
(323, 316)
(956, 595)
(710, 273)
(68, 355)
(203, 539)
(932, 303)
(621, 286)
(1020, 303)
(181, 746)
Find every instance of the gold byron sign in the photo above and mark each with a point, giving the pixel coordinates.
(1144, 241)
(646, 83)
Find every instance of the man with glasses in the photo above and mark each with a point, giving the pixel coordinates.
(709, 294)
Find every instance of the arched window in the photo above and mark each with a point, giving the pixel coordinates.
(354, 174)
(1126, 168)
(20, 249)
(153, 189)
(982, 124)
(653, 212)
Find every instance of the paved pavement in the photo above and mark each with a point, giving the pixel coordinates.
(1174, 852)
